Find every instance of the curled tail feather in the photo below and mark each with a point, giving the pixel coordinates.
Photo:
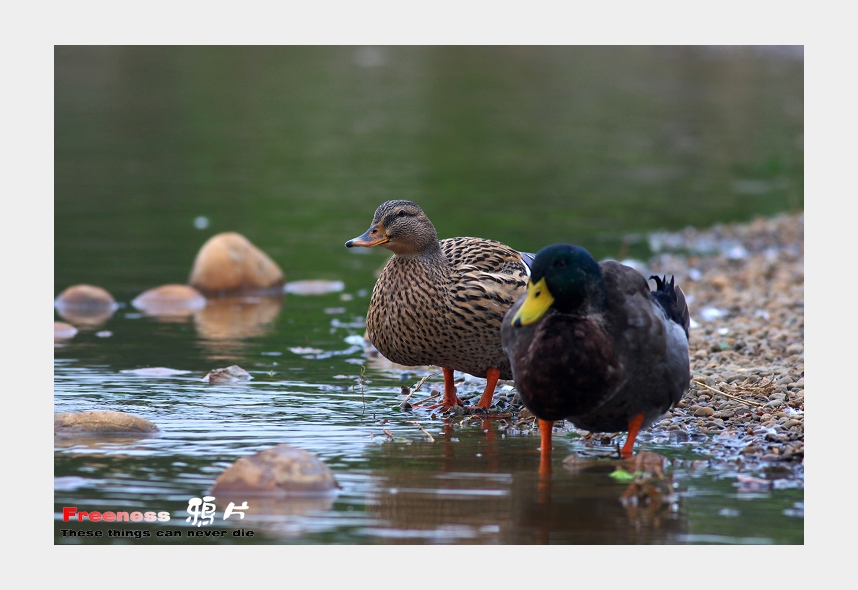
(672, 300)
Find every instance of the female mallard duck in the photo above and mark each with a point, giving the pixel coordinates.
(590, 343)
(441, 302)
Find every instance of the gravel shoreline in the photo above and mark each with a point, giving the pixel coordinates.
(744, 410)
(745, 285)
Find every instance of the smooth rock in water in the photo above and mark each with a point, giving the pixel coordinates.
(231, 374)
(229, 263)
(85, 304)
(280, 471)
(63, 331)
(170, 300)
(101, 422)
(314, 287)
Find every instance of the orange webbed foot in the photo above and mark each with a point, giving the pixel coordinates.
(451, 400)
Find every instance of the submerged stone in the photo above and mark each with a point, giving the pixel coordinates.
(101, 422)
(63, 331)
(171, 299)
(230, 374)
(86, 304)
(280, 471)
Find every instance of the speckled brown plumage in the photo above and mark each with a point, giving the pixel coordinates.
(441, 302)
(608, 354)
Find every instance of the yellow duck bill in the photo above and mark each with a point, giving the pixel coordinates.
(536, 303)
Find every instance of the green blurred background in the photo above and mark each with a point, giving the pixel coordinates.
(158, 148)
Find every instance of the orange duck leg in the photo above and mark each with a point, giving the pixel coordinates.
(545, 427)
(634, 427)
(450, 398)
(492, 376)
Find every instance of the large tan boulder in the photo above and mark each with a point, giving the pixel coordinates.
(228, 263)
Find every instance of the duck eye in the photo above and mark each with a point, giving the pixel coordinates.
(402, 213)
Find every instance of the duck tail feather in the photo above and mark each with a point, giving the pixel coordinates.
(671, 298)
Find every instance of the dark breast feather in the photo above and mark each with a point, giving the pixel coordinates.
(583, 369)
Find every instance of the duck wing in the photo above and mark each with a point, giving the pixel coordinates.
(651, 344)
(485, 255)
(488, 276)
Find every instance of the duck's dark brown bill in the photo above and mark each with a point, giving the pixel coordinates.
(374, 236)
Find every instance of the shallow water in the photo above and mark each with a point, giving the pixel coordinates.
(158, 149)
(473, 481)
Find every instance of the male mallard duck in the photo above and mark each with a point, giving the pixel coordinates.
(441, 302)
(590, 343)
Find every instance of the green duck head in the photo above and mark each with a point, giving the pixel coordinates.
(564, 277)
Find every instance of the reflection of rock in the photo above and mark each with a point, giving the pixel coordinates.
(236, 318)
(648, 500)
(644, 462)
(85, 304)
(63, 331)
(231, 374)
(648, 496)
(170, 301)
(229, 263)
(281, 471)
(101, 423)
